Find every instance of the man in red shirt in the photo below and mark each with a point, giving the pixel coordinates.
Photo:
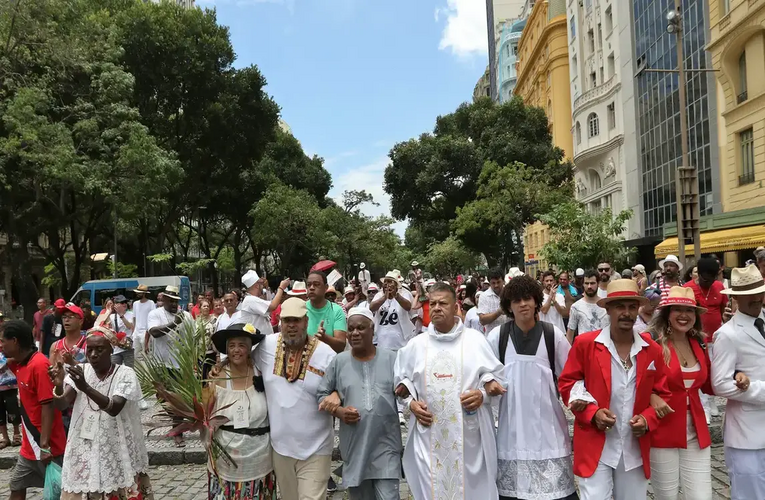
(42, 311)
(43, 438)
(709, 295)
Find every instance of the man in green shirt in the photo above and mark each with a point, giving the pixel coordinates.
(326, 320)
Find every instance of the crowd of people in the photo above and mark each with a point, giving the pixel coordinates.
(480, 370)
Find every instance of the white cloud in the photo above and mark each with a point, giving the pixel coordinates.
(369, 178)
(465, 33)
(334, 159)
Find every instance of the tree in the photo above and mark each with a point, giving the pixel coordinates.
(450, 258)
(579, 238)
(507, 199)
(431, 177)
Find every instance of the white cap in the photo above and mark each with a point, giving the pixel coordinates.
(362, 311)
(250, 278)
(579, 272)
(362, 266)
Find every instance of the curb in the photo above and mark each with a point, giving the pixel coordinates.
(197, 455)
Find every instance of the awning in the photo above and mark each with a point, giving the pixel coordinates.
(724, 240)
(99, 257)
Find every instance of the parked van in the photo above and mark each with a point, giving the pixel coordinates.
(98, 291)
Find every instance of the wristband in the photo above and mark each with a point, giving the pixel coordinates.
(45, 450)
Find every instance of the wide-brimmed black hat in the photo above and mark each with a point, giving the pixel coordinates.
(238, 330)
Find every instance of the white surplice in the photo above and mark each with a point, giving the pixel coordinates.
(456, 457)
(533, 443)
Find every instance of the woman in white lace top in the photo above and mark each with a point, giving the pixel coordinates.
(105, 454)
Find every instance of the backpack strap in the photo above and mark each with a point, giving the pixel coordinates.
(504, 337)
(548, 331)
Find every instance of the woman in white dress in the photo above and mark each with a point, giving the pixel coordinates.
(105, 454)
(240, 396)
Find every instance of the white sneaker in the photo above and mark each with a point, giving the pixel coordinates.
(401, 419)
(143, 405)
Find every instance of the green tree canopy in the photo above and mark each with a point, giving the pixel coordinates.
(450, 258)
(579, 238)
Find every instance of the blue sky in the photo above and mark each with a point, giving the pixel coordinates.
(353, 77)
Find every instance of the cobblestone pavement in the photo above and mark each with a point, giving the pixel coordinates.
(189, 482)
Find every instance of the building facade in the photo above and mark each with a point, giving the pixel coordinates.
(535, 237)
(657, 110)
(507, 57)
(498, 12)
(595, 64)
(483, 86)
(737, 48)
(543, 73)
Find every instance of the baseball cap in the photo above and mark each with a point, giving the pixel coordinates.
(120, 299)
(579, 272)
(60, 304)
(70, 307)
(294, 308)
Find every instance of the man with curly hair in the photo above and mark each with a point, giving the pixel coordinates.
(533, 447)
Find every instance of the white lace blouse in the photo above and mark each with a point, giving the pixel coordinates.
(112, 456)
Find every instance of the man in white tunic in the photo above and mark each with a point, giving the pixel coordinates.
(253, 309)
(445, 376)
(533, 443)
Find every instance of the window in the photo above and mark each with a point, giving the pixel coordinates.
(611, 116)
(595, 182)
(573, 28)
(611, 65)
(742, 83)
(593, 80)
(746, 140)
(593, 125)
(724, 7)
(574, 65)
(609, 20)
(578, 134)
(591, 40)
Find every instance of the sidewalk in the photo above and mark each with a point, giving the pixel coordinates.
(162, 450)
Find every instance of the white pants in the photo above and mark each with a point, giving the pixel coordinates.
(606, 483)
(687, 468)
(746, 469)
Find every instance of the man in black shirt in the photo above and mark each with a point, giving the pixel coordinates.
(52, 327)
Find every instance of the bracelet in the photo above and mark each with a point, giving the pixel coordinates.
(45, 450)
(109, 406)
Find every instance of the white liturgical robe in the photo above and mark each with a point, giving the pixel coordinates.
(456, 457)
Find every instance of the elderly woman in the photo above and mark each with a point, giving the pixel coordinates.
(680, 453)
(105, 454)
(357, 388)
(240, 396)
(647, 310)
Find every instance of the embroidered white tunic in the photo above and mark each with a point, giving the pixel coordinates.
(533, 443)
(456, 457)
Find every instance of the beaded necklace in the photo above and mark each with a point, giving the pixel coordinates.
(286, 359)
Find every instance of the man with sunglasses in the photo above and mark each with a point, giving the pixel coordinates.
(604, 277)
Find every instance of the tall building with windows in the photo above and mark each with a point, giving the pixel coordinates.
(737, 49)
(507, 57)
(657, 109)
(543, 81)
(596, 52)
(498, 14)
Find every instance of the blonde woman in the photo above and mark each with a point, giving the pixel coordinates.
(680, 453)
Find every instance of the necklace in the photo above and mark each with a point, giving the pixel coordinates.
(112, 370)
(286, 361)
(626, 362)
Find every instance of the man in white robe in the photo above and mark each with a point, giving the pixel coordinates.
(445, 377)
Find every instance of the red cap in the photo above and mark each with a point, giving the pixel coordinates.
(73, 309)
(60, 304)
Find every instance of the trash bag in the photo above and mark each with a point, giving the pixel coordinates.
(52, 489)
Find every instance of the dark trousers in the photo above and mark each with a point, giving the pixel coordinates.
(9, 404)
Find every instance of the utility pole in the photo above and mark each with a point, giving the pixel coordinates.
(114, 212)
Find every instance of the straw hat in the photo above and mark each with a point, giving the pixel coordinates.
(745, 281)
(682, 296)
(298, 288)
(622, 289)
(141, 289)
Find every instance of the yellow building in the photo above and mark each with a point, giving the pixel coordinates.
(543, 74)
(737, 47)
(535, 237)
(544, 81)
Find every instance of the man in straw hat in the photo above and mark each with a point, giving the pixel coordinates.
(609, 377)
(370, 439)
(740, 347)
(142, 306)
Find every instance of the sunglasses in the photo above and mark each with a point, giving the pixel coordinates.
(604, 269)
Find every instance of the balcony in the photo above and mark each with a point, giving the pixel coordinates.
(746, 178)
(587, 97)
(743, 96)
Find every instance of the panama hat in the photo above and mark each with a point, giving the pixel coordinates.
(622, 289)
(672, 259)
(141, 289)
(362, 266)
(298, 288)
(171, 292)
(745, 281)
(221, 337)
(393, 276)
(682, 296)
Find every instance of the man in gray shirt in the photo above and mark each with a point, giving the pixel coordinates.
(358, 389)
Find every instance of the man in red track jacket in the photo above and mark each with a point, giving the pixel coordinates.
(609, 378)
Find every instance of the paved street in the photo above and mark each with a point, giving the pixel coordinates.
(187, 482)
